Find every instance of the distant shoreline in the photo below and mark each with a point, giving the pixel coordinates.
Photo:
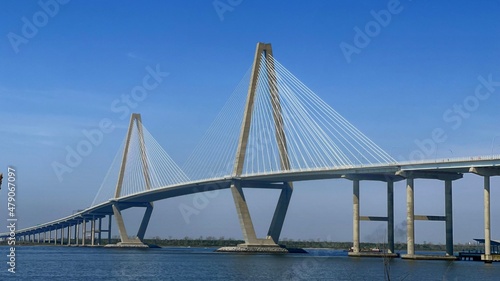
(213, 243)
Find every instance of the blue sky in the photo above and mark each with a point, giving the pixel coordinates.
(398, 87)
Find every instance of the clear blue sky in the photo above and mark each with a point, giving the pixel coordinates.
(63, 76)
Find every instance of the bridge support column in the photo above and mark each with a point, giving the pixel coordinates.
(100, 230)
(145, 221)
(390, 216)
(243, 214)
(62, 235)
(448, 178)
(84, 232)
(55, 236)
(410, 217)
(246, 223)
(251, 240)
(109, 229)
(125, 240)
(92, 232)
(69, 235)
(487, 229)
(280, 213)
(355, 216)
(449, 217)
(99, 233)
(486, 173)
(77, 233)
(135, 120)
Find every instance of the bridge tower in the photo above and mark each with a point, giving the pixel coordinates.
(263, 51)
(137, 241)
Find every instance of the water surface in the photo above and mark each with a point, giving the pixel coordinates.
(78, 264)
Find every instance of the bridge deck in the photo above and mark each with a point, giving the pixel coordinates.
(459, 165)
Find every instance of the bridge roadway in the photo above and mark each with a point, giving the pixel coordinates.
(398, 171)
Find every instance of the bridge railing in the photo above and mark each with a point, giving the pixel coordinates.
(452, 159)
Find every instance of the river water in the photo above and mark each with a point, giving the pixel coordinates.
(73, 263)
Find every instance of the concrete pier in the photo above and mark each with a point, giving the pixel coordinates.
(109, 229)
(373, 255)
(92, 232)
(449, 217)
(487, 173)
(69, 235)
(447, 177)
(77, 233)
(279, 249)
(263, 54)
(410, 217)
(355, 216)
(99, 236)
(390, 216)
(84, 232)
(62, 235)
(487, 227)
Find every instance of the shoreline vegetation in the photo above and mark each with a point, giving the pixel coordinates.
(224, 242)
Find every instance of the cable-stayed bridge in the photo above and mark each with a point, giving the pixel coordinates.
(273, 131)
